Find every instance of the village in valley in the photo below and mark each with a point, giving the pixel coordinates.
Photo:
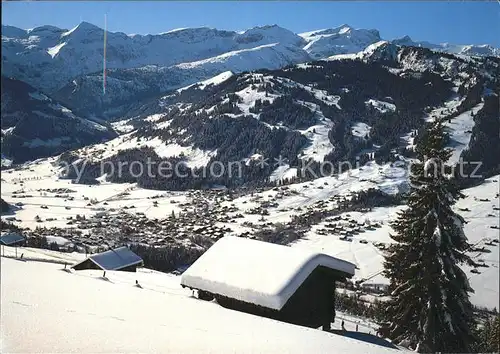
(346, 216)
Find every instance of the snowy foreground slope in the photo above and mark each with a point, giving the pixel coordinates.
(45, 309)
(482, 227)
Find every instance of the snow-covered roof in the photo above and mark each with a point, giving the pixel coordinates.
(114, 259)
(257, 272)
(11, 238)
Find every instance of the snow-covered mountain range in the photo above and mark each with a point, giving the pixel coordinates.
(461, 49)
(36, 55)
(67, 64)
(340, 40)
(331, 110)
(144, 72)
(49, 57)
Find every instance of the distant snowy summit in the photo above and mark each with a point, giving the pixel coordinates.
(340, 40)
(470, 49)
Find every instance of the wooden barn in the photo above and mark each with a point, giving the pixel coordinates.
(122, 259)
(12, 239)
(269, 280)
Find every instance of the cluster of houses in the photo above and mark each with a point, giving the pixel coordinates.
(204, 216)
(346, 227)
(125, 227)
(201, 219)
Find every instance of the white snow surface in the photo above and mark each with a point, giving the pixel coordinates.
(482, 227)
(123, 126)
(38, 96)
(54, 50)
(370, 52)
(43, 255)
(250, 94)
(460, 129)
(340, 40)
(193, 157)
(331, 100)
(320, 142)
(381, 106)
(268, 56)
(282, 172)
(360, 129)
(216, 80)
(256, 272)
(82, 313)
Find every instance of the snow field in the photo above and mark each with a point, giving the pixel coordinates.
(116, 197)
(82, 313)
(460, 129)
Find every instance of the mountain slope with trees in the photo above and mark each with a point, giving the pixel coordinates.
(34, 125)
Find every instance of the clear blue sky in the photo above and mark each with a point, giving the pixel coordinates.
(473, 22)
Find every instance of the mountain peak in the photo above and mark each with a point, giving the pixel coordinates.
(46, 29)
(268, 34)
(82, 27)
(343, 28)
(273, 27)
(87, 25)
(406, 40)
(13, 32)
(342, 39)
(265, 26)
(375, 32)
(327, 31)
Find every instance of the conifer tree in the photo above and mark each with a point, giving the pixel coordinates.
(494, 338)
(430, 309)
(489, 336)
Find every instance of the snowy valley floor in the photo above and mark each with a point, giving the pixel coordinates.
(46, 309)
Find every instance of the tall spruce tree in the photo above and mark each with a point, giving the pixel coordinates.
(430, 309)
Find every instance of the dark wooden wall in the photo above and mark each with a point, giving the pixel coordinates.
(312, 305)
(88, 264)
